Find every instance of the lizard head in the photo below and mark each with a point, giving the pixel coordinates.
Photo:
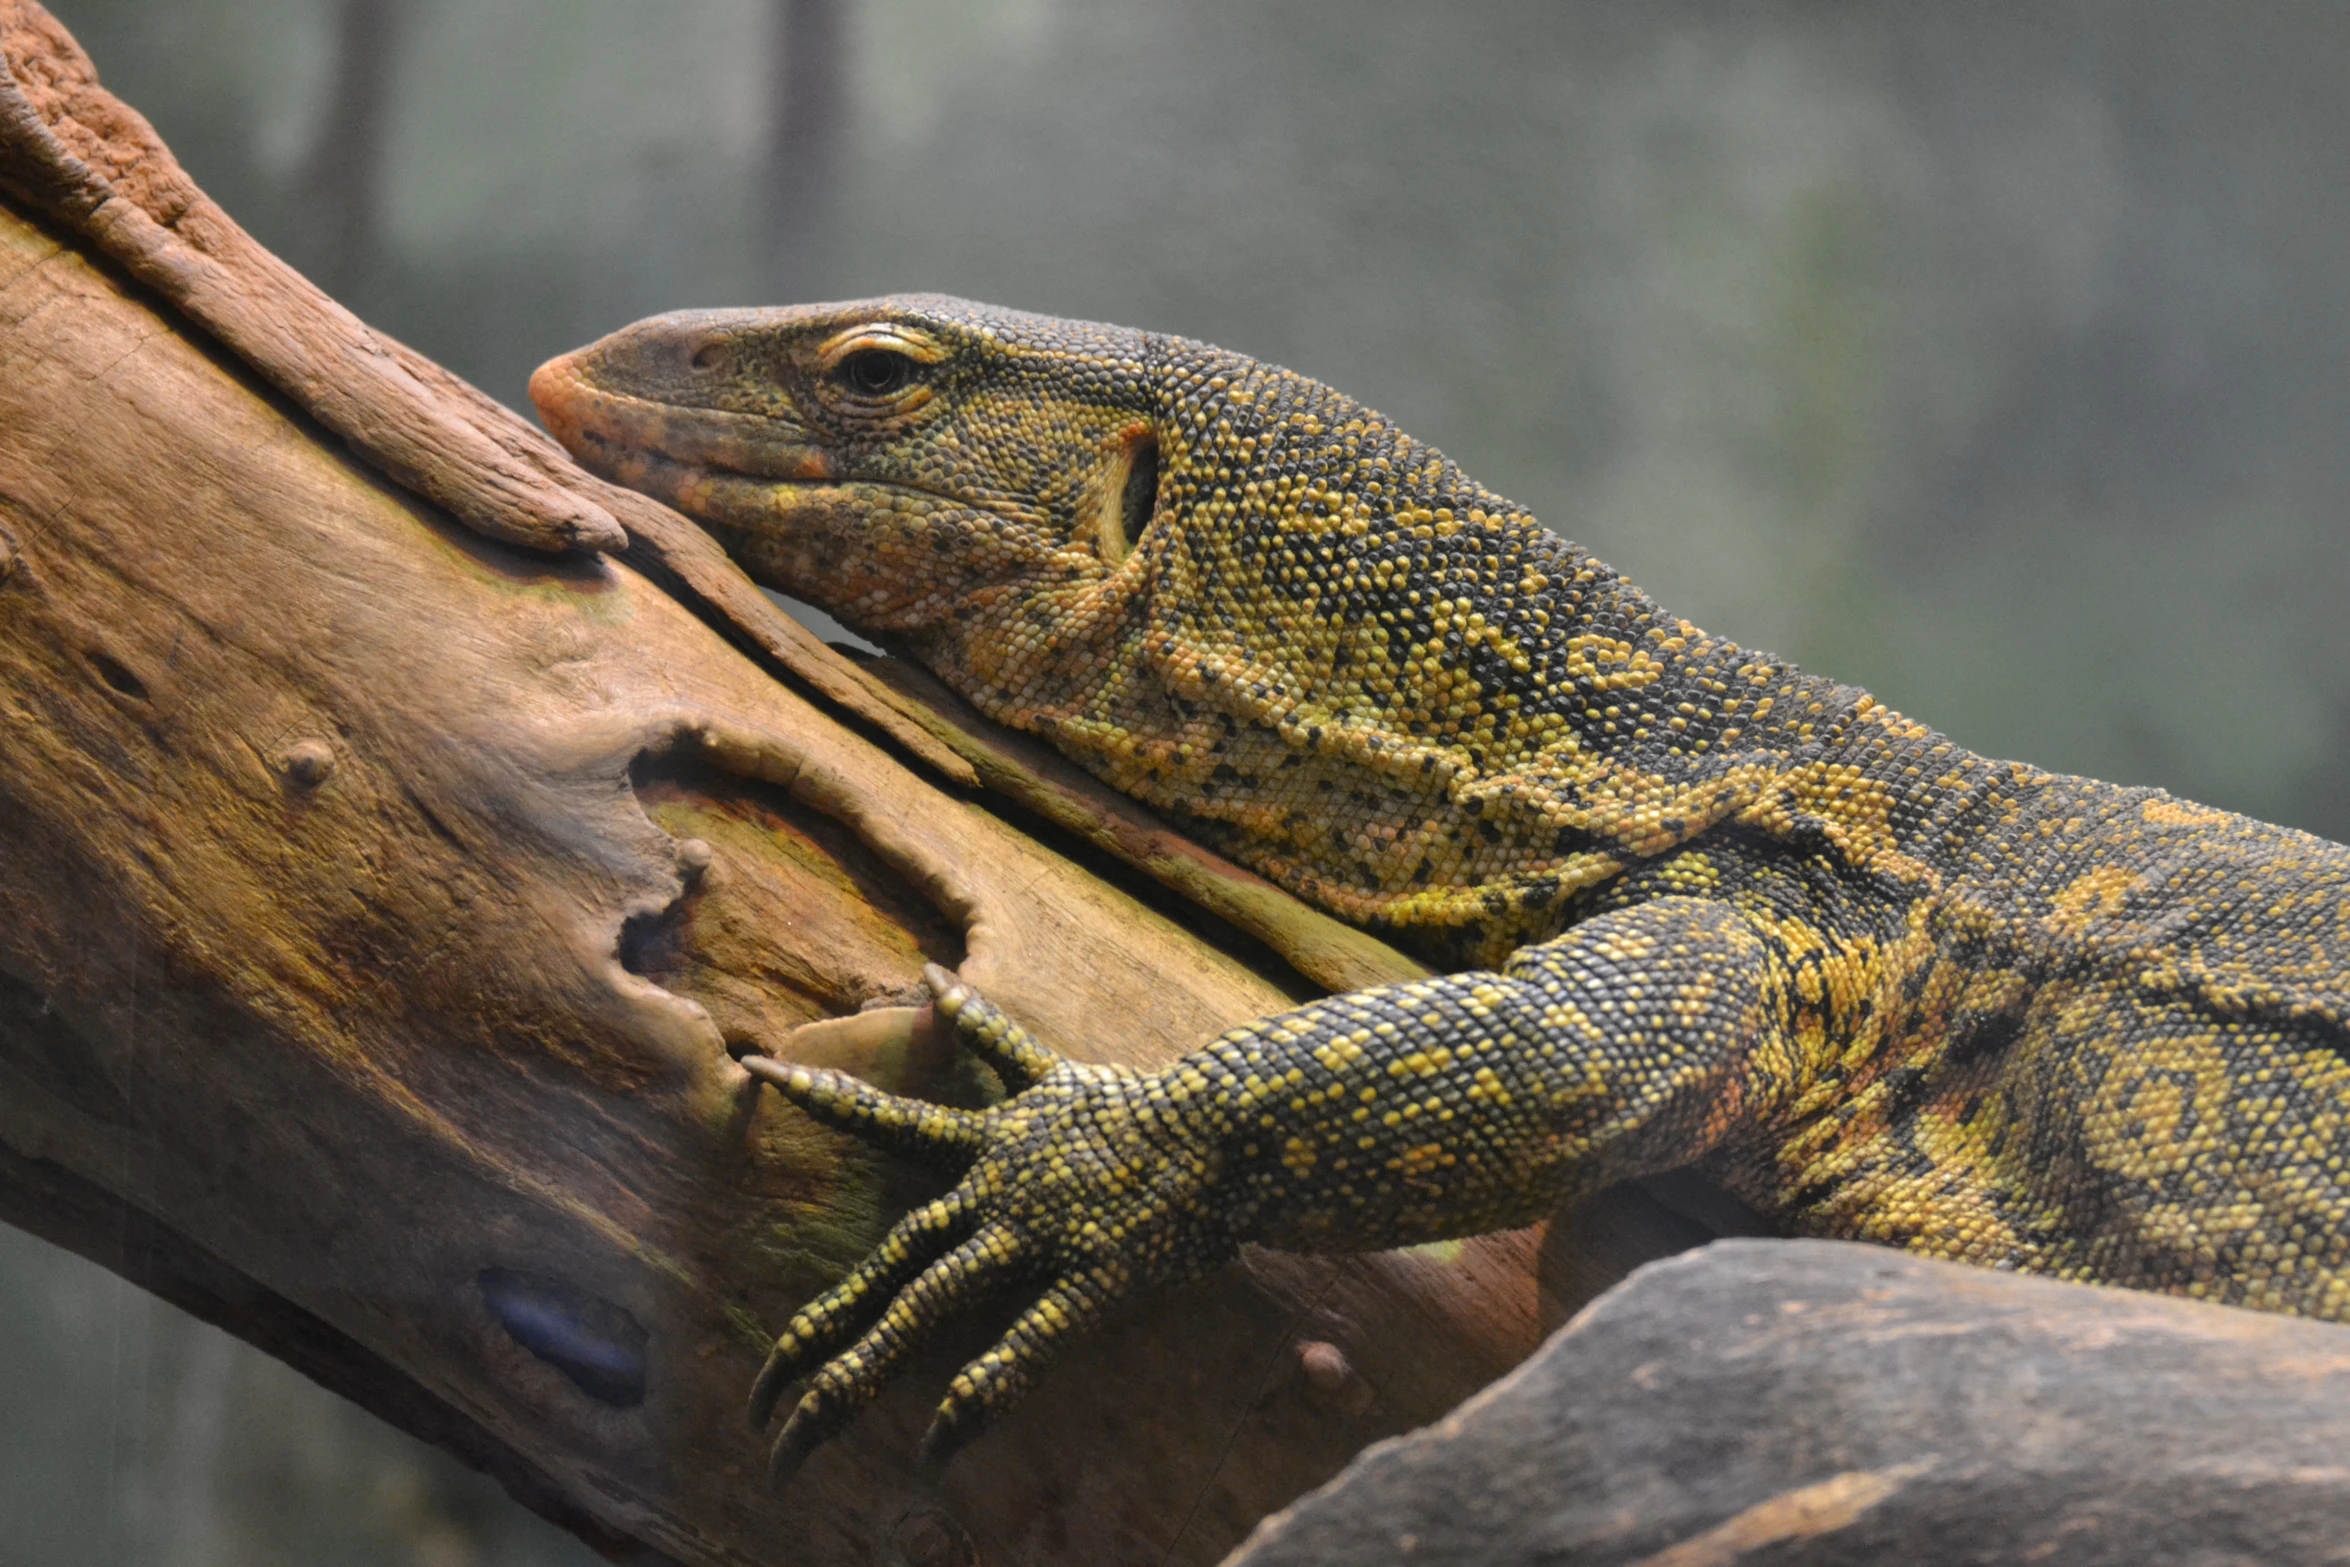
(920, 466)
(1226, 589)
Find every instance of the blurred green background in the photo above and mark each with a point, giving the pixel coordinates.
(1996, 357)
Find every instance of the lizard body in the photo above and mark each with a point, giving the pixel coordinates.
(1691, 904)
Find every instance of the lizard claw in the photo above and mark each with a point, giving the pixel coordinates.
(855, 1377)
(931, 1133)
(1011, 1050)
(1049, 1190)
(834, 1317)
(997, 1379)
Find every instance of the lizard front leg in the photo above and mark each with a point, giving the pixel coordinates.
(1410, 1112)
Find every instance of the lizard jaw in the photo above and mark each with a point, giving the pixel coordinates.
(662, 447)
(777, 505)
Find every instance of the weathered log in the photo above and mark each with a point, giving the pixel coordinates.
(1819, 1402)
(386, 902)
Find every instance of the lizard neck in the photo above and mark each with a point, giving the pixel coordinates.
(1386, 688)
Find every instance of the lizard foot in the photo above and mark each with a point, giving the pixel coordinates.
(1085, 1181)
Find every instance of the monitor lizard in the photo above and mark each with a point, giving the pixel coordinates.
(1687, 903)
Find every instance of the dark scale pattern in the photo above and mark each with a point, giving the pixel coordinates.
(1696, 905)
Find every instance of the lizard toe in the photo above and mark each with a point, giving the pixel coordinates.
(835, 1316)
(930, 1132)
(995, 1381)
(1017, 1056)
(856, 1376)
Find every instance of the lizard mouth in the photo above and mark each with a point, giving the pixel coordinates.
(703, 461)
(662, 448)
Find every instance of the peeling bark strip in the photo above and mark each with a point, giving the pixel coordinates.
(87, 158)
(75, 152)
(385, 901)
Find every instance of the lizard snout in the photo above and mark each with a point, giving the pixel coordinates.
(613, 432)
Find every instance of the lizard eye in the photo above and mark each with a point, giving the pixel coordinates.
(876, 372)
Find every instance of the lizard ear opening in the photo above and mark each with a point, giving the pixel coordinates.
(1133, 493)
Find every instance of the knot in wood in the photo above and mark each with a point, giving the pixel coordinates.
(307, 763)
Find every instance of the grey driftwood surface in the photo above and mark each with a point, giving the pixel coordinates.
(1819, 1402)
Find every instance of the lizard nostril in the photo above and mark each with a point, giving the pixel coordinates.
(710, 356)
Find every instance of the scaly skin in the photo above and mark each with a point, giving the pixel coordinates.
(1695, 906)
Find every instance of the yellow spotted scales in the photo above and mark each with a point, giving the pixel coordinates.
(1691, 904)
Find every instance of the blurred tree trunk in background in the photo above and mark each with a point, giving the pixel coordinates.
(343, 183)
(807, 112)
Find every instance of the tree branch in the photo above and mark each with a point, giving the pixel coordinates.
(391, 875)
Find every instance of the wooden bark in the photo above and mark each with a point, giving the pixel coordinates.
(389, 877)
